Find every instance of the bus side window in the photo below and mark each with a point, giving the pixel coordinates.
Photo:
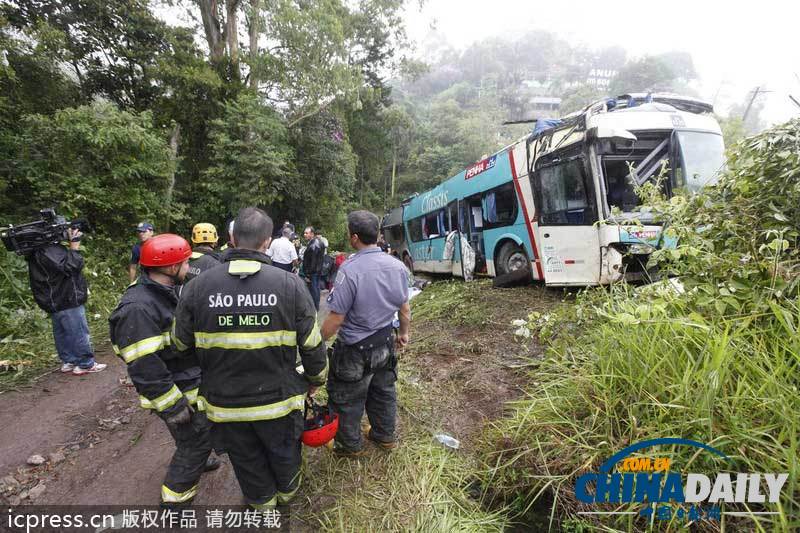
(452, 212)
(563, 194)
(415, 229)
(500, 206)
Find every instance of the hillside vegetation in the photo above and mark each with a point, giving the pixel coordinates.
(713, 358)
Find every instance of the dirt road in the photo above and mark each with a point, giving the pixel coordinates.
(113, 451)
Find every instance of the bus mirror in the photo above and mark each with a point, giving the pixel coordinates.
(614, 134)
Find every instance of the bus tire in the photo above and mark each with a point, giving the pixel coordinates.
(511, 257)
(408, 262)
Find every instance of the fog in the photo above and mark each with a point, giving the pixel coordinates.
(735, 48)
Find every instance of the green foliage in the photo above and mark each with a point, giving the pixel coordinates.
(251, 162)
(713, 357)
(107, 165)
(124, 33)
(739, 240)
(454, 300)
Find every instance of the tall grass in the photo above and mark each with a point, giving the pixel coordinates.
(717, 361)
(420, 486)
(730, 383)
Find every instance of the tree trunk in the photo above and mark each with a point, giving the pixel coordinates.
(394, 167)
(255, 7)
(174, 140)
(209, 12)
(232, 35)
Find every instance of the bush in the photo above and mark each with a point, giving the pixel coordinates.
(109, 166)
(713, 358)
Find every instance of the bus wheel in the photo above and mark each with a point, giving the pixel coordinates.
(408, 262)
(511, 258)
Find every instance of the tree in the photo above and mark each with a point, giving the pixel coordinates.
(251, 161)
(749, 113)
(112, 47)
(642, 75)
(107, 165)
(304, 54)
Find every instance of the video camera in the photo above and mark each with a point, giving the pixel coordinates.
(52, 228)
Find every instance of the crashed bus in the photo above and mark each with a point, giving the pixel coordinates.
(560, 201)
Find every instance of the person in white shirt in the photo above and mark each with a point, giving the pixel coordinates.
(283, 252)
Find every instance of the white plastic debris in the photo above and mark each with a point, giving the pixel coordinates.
(518, 322)
(523, 332)
(447, 441)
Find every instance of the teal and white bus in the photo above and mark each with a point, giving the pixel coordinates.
(538, 203)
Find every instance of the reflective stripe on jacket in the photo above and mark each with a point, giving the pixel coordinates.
(246, 321)
(140, 335)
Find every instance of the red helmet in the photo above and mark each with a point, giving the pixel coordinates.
(321, 427)
(164, 250)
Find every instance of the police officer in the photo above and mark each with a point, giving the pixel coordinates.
(370, 287)
(144, 230)
(140, 334)
(246, 321)
(204, 236)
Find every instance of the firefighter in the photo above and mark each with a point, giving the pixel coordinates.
(204, 256)
(167, 384)
(246, 321)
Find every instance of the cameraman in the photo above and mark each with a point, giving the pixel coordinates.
(59, 288)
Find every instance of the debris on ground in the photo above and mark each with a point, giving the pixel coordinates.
(7, 365)
(36, 491)
(57, 457)
(35, 460)
(447, 441)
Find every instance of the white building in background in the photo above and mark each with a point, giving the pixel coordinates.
(545, 106)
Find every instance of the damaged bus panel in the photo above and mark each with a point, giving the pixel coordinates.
(561, 201)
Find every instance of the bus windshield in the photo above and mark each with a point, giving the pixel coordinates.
(702, 158)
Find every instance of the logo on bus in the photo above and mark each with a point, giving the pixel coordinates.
(480, 166)
(432, 202)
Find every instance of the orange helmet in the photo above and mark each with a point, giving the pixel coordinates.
(321, 427)
(164, 250)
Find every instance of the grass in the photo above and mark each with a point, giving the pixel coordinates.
(420, 486)
(637, 374)
(449, 378)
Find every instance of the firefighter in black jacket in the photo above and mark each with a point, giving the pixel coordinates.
(245, 321)
(167, 384)
(204, 257)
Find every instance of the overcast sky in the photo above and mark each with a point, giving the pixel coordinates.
(735, 48)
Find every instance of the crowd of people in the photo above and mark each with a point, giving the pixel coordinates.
(224, 344)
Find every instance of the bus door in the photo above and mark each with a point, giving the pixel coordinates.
(455, 226)
(471, 209)
(567, 211)
(435, 226)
